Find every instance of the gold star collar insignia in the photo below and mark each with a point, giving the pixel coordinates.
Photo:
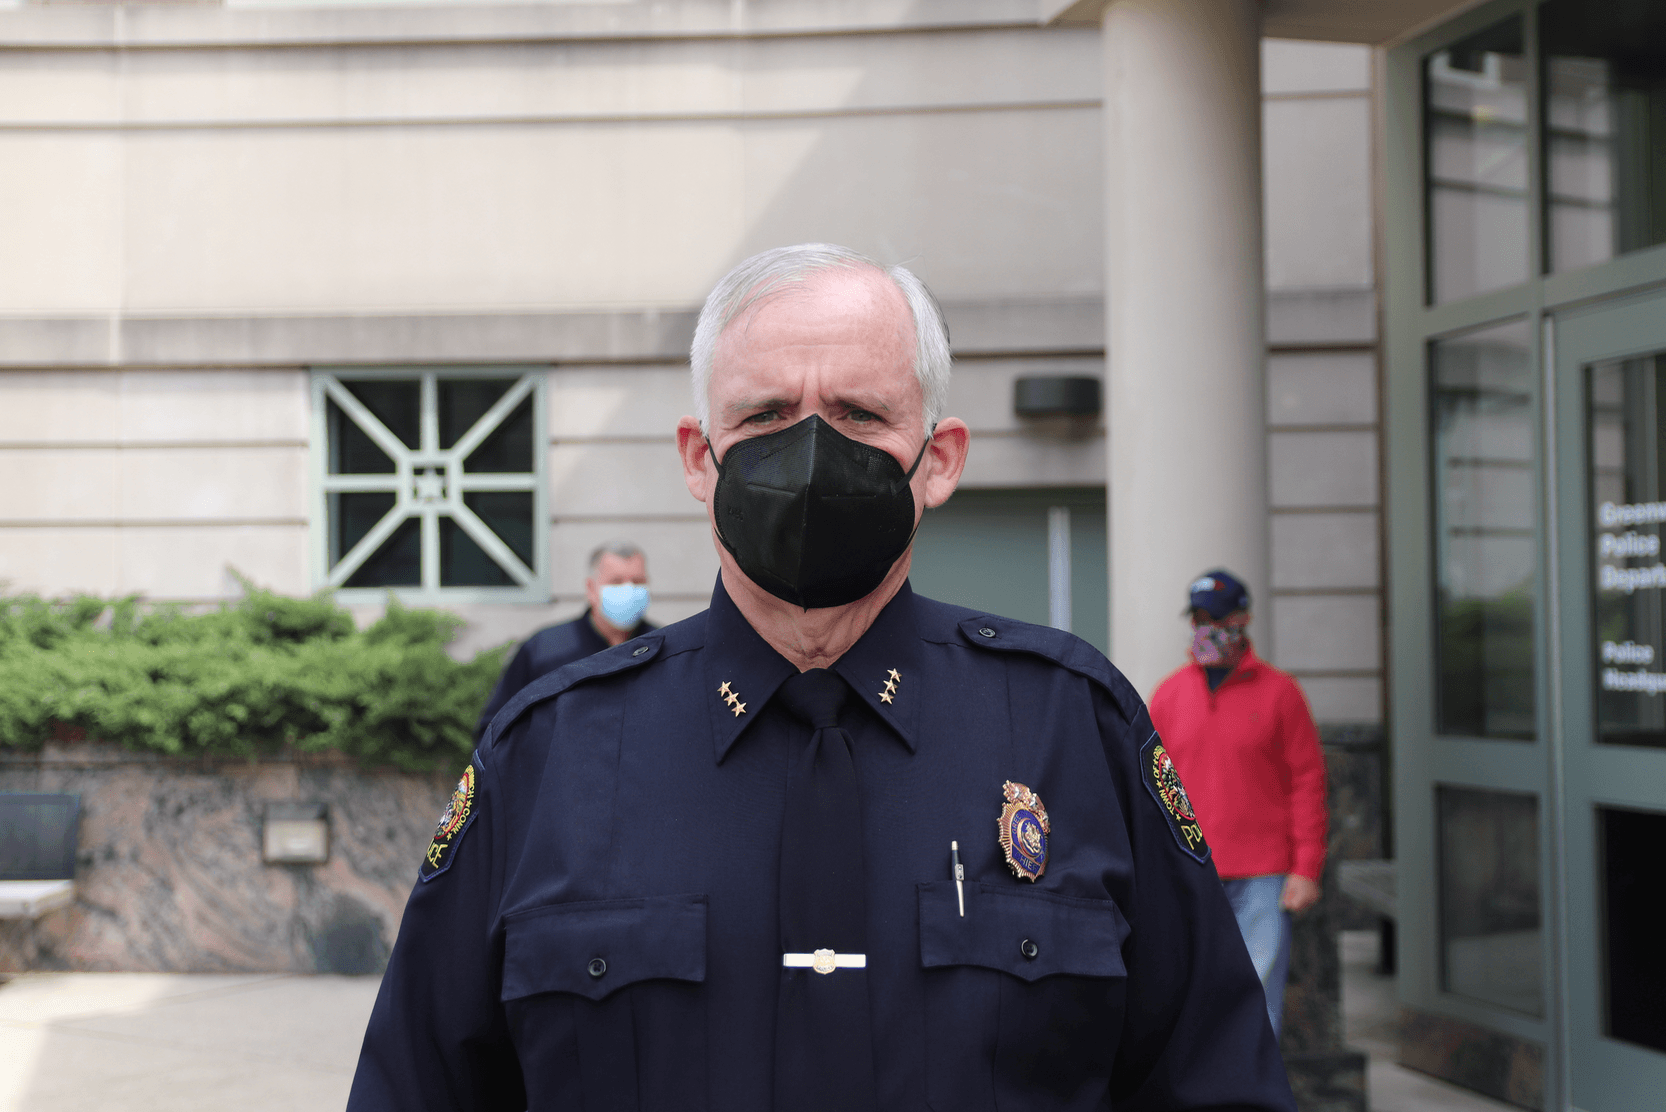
(888, 694)
(731, 699)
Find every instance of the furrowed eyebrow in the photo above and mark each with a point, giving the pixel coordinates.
(760, 405)
(757, 405)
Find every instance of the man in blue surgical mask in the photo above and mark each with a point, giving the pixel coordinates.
(617, 590)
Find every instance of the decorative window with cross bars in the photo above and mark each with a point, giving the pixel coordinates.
(429, 483)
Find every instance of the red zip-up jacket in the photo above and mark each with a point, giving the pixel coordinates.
(1248, 753)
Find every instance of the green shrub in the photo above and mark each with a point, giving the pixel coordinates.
(253, 677)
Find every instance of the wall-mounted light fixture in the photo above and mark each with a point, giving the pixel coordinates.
(1056, 396)
(296, 834)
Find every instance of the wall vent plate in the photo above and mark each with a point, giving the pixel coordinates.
(295, 834)
(1056, 396)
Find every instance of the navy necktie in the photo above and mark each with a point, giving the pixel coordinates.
(823, 1039)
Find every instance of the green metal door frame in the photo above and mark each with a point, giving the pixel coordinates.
(1604, 1075)
(1422, 758)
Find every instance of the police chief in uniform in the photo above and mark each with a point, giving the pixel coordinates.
(828, 846)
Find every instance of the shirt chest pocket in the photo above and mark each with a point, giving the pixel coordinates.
(1024, 997)
(604, 1002)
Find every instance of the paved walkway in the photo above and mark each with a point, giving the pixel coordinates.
(152, 1042)
(1369, 1008)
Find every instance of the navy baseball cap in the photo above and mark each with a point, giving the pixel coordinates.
(1218, 593)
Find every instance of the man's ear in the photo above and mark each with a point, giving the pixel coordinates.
(946, 453)
(698, 472)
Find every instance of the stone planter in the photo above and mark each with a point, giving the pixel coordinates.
(169, 874)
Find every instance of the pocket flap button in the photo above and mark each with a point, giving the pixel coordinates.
(1028, 948)
(598, 966)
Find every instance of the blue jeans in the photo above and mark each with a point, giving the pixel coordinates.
(1266, 930)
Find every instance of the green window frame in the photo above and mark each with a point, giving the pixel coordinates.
(429, 482)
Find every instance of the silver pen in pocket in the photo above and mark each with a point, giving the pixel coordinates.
(959, 877)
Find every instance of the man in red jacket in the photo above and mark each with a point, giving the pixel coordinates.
(1243, 741)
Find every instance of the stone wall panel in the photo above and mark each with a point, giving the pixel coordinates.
(170, 876)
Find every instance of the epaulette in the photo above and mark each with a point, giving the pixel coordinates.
(632, 654)
(986, 631)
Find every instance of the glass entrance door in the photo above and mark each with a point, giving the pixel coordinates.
(1610, 521)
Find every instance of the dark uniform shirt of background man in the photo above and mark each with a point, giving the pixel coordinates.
(827, 846)
(617, 591)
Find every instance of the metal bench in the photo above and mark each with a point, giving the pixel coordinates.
(38, 833)
(1371, 883)
(1374, 885)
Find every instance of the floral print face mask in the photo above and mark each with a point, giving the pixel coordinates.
(1221, 644)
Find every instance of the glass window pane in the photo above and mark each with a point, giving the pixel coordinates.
(1605, 128)
(351, 516)
(1626, 404)
(1633, 907)
(463, 401)
(464, 563)
(509, 514)
(1483, 443)
(398, 563)
(1490, 939)
(352, 452)
(1475, 136)
(397, 403)
(509, 448)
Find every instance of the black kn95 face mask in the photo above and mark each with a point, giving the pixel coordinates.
(812, 516)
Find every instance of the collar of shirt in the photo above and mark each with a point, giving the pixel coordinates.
(592, 641)
(587, 630)
(735, 654)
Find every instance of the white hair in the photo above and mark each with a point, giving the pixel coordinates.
(625, 550)
(769, 272)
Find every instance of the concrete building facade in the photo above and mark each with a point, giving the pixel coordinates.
(211, 207)
(373, 297)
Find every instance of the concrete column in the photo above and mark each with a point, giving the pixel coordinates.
(1185, 336)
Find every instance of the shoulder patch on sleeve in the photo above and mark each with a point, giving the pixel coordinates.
(1158, 773)
(454, 823)
(632, 654)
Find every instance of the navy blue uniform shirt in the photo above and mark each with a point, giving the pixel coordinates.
(596, 925)
(545, 651)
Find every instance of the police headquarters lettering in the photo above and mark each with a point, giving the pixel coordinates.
(1610, 515)
(1625, 546)
(1627, 652)
(1624, 580)
(1646, 683)
(1627, 580)
(1628, 544)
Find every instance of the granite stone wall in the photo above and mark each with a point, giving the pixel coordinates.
(1356, 762)
(1501, 1066)
(169, 875)
(1326, 1075)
